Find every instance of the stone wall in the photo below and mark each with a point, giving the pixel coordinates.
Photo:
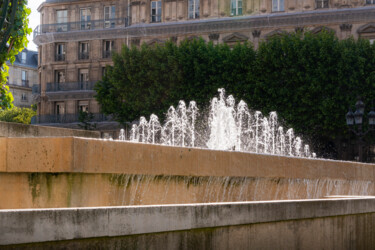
(78, 172)
(9, 129)
(310, 224)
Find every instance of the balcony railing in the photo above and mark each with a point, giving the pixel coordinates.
(67, 118)
(107, 54)
(70, 86)
(35, 89)
(82, 25)
(83, 55)
(25, 83)
(59, 57)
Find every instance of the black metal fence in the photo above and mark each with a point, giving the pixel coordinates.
(70, 86)
(68, 118)
(35, 89)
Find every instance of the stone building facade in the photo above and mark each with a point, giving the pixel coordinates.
(76, 38)
(23, 75)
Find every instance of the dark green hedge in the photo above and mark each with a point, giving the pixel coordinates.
(310, 80)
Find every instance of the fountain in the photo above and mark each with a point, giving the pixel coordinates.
(230, 127)
(260, 183)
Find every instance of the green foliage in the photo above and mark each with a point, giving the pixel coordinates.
(13, 39)
(18, 115)
(309, 79)
(150, 79)
(86, 118)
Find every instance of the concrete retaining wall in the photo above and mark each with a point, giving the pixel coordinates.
(309, 224)
(10, 129)
(77, 172)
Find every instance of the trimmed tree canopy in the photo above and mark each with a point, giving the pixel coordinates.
(309, 79)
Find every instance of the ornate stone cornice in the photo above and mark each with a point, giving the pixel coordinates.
(256, 33)
(346, 27)
(214, 37)
(226, 24)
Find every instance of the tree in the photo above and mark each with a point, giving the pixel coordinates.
(13, 38)
(18, 115)
(86, 120)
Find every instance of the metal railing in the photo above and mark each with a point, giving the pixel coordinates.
(81, 25)
(35, 89)
(67, 118)
(59, 57)
(25, 83)
(83, 55)
(70, 86)
(107, 54)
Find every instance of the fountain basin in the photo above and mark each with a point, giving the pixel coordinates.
(80, 172)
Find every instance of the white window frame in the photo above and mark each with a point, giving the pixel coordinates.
(156, 17)
(85, 18)
(60, 52)
(84, 47)
(370, 1)
(278, 5)
(109, 16)
(23, 57)
(236, 7)
(62, 20)
(322, 4)
(193, 9)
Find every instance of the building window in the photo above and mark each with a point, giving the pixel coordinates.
(193, 9)
(370, 1)
(83, 106)
(24, 97)
(109, 16)
(59, 108)
(25, 82)
(155, 11)
(277, 5)
(23, 57)
(85, 19)
(84, 79)
(59, 76)
(62, 20)
(321, 4)
(372, 41)
(83, 51)
(108, 47)
(60, 52)
(236, 7)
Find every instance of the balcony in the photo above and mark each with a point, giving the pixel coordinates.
(107, 54)
(70, 86)
(35, 89)
(67, 118)
(25, 83)
(82, 25)
(83, 55)
(60, 57)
